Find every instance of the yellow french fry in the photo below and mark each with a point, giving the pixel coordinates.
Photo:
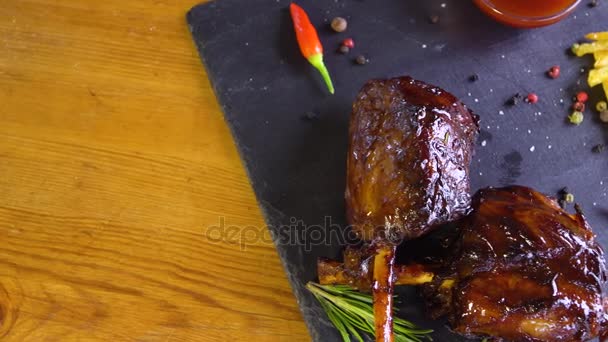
(597, 36)
(597, 76)
(583, 49)
(601, 58)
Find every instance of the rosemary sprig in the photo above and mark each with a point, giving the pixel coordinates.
(352, 313)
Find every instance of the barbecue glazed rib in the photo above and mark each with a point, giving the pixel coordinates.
(407, 172)
(523, 270)
(408, 164)
(355, 271)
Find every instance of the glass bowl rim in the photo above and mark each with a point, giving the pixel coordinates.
(531, 19)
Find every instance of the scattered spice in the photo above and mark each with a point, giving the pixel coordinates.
(561, 194)
(554, 72)
(604, 116)
(601, 106)
(592, 3)
(348, 42)
(578, 107)
(599, 148)
(532, 98)
(361, 60)
(514, 99)
(343, 49)
(434, 19)
(474, 78)
(576, 118)
(339, 24)
(308, 40)
(569, 198)
(565, 197)
(582, 96)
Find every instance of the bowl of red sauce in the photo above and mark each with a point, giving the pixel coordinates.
(527, 13)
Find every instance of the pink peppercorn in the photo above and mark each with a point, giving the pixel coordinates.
(554, 71)
(578, 106)
(348, 42)
(532, 98)
(582, 96)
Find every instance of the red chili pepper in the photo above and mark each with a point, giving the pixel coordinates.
(309, 42)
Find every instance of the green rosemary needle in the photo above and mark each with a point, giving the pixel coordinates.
(352, 313)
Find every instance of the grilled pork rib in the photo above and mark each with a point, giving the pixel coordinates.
(520, 269)
(408, 164)
(523, 269)
(407, 172)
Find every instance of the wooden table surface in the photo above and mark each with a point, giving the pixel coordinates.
(115, 162)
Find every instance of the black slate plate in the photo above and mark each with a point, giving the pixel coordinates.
(297, 167)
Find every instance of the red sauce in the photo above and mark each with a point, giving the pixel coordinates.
(527, 13)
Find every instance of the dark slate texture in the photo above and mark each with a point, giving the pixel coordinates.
(297, 165)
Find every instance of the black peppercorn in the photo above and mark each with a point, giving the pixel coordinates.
(514, 99)
(361, 60)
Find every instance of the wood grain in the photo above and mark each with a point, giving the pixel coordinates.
(114, 162)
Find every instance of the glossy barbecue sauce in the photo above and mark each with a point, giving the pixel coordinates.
(527, 13)
(528, 271)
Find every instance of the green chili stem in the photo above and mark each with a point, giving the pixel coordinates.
(317, 62)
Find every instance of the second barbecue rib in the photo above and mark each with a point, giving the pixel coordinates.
(520, 269)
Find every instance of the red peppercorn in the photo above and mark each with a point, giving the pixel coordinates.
(348, 42)
(554, 71)
(578, 107)
(532, 98)
(582, 96)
